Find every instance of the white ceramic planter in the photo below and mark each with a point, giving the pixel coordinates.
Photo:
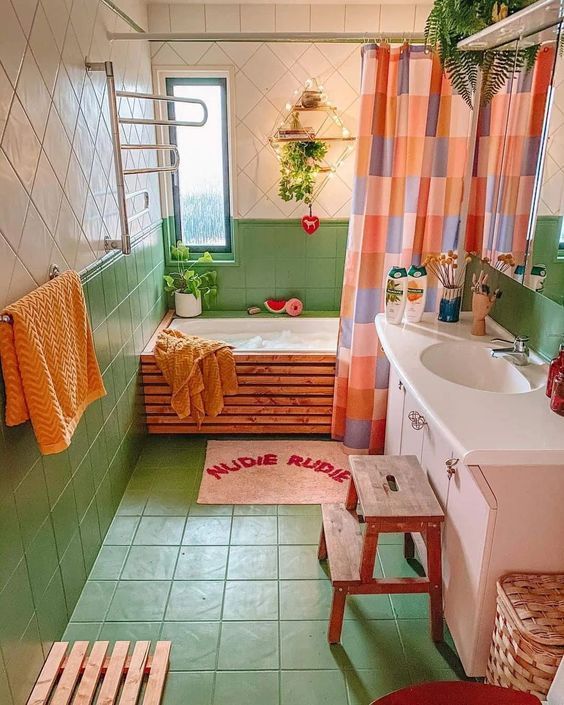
(187, 305)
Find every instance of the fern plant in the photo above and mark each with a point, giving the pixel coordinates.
(452, 20)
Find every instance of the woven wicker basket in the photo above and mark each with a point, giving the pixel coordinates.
(528, 638)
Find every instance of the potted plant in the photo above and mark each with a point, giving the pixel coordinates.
(300, 162)
(453, 20)
(189, 286)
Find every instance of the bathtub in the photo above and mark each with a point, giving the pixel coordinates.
(286, 373)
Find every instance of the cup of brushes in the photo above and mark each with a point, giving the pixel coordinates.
(449, 271)
(482, 302)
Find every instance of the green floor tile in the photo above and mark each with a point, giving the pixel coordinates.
(94, 601)
(121, 531)
(130, 631)
(365, 686)
(109, 563)
(211, 510)
(252, 563)
(255, 510)
(195, 601)
(299, 510)
(82, 631)
(304, 645)
(305, 599)
(373, 644)
(250, 600)
(195, 645)
(425, 659)
(168, 503)
(298, 529)
(366, 607)
(133, 502)
(246, 688)
(210, 531)
(313, 688)
(159, 531)
(180, 686)
(300, 563)
(249, 646)
(150, 563)
(253, 530)
(139, 601)
(395, 565)
(202, 563)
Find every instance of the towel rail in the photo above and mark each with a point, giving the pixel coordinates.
(124, 243)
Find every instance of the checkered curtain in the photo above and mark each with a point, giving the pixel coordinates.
(508, 143)
(411, 153)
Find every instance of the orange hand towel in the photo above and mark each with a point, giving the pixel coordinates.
(48, 361)
(200, 373)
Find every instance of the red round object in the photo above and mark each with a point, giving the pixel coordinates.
(457, 693)
(310, 223)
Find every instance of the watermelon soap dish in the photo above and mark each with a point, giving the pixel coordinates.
(293, 307)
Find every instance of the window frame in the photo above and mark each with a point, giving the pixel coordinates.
(163, 76)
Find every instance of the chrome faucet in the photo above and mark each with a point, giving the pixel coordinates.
(518, 353)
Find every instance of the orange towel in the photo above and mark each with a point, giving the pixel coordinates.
(48, 361)
(200, 373)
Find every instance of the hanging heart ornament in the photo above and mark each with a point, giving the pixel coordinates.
(310, 223)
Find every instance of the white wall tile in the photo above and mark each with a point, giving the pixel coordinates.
(327, 18)
(364, 19)
(223, 18)
(44, 48)
(7, 261)
(47, 193)
(21, 144)
(57, 14)
(187, 18)
(292, 18)
(36, 246)
(421, 14)
(12, 41)
(13, 204)
(257, 18)
(159, 18)
(57, 145)
(33, 94)
(25, 10)
(397, 19)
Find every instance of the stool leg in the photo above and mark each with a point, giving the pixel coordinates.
(369, 552)
(322, 550)
(408, 546)
(434, 573)
(337, 615)
(352, 496)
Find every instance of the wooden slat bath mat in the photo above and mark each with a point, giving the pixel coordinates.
(117, 678)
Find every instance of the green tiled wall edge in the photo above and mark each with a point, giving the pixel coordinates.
(522, 311)
(277, 259)
(55, 510)
(547, 235)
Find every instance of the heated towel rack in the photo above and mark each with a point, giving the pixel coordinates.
(124, 243)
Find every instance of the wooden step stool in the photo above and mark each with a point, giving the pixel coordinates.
(393, 495)
(82, 672)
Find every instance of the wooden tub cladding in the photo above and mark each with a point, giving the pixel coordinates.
(282, 393)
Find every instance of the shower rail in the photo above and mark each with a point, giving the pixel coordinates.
(124, 243)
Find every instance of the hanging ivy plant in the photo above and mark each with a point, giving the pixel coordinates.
(300, 163)
(452, 20)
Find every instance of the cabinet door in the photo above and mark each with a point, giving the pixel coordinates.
(435, 453)
(394, 414)
(412, 432)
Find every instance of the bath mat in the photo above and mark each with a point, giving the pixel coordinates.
(274, 472)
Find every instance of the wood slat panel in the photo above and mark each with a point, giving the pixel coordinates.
(264, 358)
(71, 673)
(159, 668)
(114, 673)
(245, 380)
(258, 401)
(240, 429)
(296, 369)
(93, 669)
(49, 673)
(252, 389)
(163, 410)
(223, 420)
(134, 679)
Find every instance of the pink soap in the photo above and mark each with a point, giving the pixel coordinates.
(294, 307)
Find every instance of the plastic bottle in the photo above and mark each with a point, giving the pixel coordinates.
(556, 365)
(557, 397)
(416, 293)
(396, 294)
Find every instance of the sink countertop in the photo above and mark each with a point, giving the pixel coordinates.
(484, 427)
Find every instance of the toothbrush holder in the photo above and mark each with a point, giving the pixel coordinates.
(449, 306)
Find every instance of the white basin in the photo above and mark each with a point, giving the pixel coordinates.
(473, 366)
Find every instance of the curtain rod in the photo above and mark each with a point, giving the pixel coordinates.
(301, 37)
(125, 17)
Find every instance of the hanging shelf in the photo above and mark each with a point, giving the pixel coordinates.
(124, 243)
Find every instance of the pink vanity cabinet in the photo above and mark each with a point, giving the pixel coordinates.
(498, 519)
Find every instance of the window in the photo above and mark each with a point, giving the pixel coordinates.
(200, 187)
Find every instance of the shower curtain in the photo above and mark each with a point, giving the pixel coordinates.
(411, 154)
(508, 143)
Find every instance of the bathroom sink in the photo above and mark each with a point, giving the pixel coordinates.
(473, 366)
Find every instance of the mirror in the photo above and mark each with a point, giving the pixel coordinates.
(517, 193)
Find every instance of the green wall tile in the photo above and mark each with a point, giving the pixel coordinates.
(290, 272)
(57, 508)
(259, 272)
(321, 273)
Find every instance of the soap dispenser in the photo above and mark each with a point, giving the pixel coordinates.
(556, 365)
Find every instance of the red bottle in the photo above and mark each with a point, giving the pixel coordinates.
(557, 398)
(555, 366)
